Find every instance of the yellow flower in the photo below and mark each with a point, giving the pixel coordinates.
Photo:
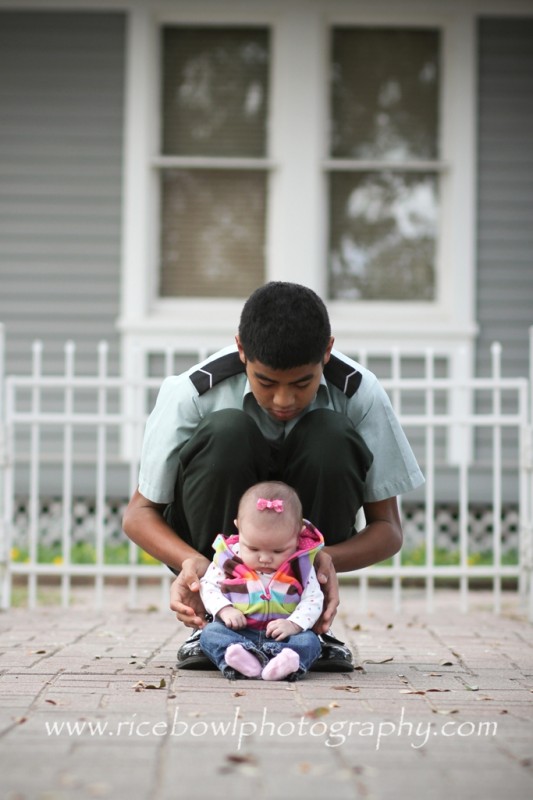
(15, 554)
(148, 559)
(57, 560)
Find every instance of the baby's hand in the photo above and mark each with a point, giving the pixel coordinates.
(232, 617)
(279, 629)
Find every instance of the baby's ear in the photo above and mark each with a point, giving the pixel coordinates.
(235, 523)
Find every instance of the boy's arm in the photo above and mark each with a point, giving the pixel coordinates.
(380, 539)
(144, 524)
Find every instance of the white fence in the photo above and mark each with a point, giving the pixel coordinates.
(68, 436)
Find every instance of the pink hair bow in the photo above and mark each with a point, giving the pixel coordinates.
(275, 505)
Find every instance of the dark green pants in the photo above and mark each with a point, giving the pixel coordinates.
(323, 458)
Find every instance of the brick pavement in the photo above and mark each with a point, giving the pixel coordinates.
(441, 706)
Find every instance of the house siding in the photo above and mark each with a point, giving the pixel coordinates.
(505, 192)
(61, 106)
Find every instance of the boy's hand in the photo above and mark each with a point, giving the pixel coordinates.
(185, 597)
(327, 578)
(232, 618)
(279, 629)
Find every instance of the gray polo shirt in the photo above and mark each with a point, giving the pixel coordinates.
(184, 400)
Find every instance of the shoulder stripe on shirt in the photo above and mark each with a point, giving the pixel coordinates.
(216, 371)
(336, 371)
(343, 376)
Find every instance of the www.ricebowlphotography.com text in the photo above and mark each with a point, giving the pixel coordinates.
(333, 733)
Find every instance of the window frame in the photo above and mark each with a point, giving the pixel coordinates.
(298, 250)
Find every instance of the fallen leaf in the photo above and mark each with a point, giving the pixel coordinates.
(471, 688)
(235, 758)
(445, 711)
(432, 674)
(52, 702)
(412, 691)
(315, 713)
(334, 705)
(357, 627)
(390, 625)
(247, 765)
(438, 690)
(141, 685)
(346, 688)
(162, 684)
(383, 660)
(446, 663)
(239, 694)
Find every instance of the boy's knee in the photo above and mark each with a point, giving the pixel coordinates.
(331, 438)
(229, 430)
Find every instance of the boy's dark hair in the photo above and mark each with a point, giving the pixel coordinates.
(284, 325)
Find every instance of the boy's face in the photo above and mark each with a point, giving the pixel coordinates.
(284, 393)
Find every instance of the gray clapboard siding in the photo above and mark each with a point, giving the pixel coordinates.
(61, 111)
(505, 191)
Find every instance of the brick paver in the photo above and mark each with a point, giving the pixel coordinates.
(440, 706)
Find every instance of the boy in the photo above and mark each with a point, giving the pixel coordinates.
(282, 405)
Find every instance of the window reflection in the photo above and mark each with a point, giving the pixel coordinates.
(385, 86)
(383, 236)
(384, 94)
(212, 233)
(215, 91)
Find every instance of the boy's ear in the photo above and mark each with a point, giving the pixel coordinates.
(327, 354)
(240, 349)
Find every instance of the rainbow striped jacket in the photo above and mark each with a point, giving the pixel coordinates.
(245, 590)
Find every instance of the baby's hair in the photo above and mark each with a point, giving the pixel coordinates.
(274, 490)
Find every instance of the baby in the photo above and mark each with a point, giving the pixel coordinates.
(262, 590)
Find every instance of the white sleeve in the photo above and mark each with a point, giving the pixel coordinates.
(310, 606)
(212, 597)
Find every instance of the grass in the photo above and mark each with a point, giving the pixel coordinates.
(85, 553)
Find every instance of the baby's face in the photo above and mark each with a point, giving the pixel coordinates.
(265, 548)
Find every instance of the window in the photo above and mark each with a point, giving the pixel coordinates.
(213, 186)
(383, 167)
(334, 148)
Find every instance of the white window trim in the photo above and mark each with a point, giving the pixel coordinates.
(298, 161)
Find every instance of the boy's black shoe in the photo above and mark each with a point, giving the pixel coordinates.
(335, 656)
(191, 655)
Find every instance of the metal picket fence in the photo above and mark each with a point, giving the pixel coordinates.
(69, 436)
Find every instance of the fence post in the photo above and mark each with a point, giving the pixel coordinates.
(4, 532)
(527, 564)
